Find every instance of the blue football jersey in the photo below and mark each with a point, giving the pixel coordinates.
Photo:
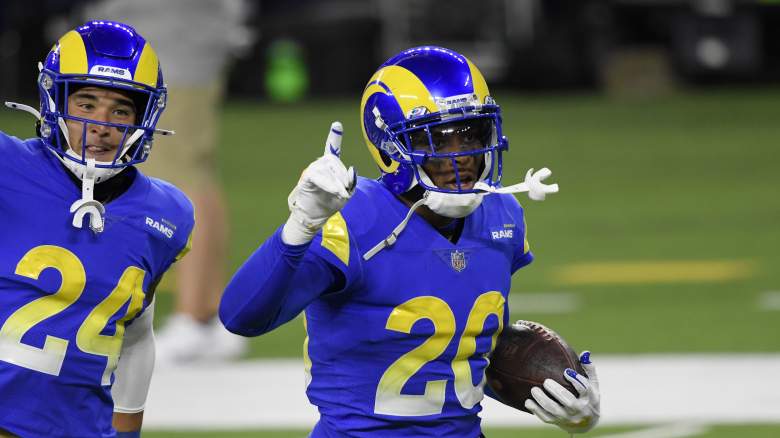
(401, 349)
(66, 294)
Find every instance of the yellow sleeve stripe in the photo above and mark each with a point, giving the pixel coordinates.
(526, 246)
(335, 237)
(73, 54)
(148, 67)
(306, 358)
(187, 247)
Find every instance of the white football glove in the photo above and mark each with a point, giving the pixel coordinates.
(324, 188)
(570, 413)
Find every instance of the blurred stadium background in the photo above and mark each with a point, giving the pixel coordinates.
(660, 254)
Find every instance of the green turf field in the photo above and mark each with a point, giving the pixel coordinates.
(690, 177)
(690, 180)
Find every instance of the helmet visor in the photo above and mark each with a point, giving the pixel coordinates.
(467, 136)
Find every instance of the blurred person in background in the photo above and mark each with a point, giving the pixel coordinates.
(86, 239)
(366, 269)
(197, 39)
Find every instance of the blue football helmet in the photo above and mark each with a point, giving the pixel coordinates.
(103, 54)
(414, 103)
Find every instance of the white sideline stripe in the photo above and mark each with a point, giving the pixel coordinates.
(639, 389)
(545, 302)
(681, 430)
(769, 300)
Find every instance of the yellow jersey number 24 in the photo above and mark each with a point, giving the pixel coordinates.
(50, 357)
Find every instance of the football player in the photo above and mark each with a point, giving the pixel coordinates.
(405, 279)
(85, 239)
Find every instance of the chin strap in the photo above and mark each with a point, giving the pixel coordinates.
(87, 205)
(532, 184)
(390, 240)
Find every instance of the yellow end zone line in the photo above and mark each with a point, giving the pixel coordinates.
(650, 272)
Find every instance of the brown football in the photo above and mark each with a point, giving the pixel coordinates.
(526, 354)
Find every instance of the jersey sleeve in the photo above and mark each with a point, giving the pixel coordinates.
(174, 205)
(522, 254)
(278, 281)
(337, 246)
(17, 157)
(8, 145)
(170, 218)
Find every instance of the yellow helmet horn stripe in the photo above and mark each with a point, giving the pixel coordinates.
(73, 54)
(415, 95)
(148, 67)
(478, 82)
(370, 90)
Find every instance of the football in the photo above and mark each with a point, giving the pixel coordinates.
(526, 354)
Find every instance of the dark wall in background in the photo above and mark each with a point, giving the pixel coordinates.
(545, 44)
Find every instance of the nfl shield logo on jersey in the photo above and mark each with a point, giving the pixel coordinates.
(458, 260)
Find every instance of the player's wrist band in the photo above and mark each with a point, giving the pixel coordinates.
(133, 434)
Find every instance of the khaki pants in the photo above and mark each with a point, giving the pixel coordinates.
(187, 159)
